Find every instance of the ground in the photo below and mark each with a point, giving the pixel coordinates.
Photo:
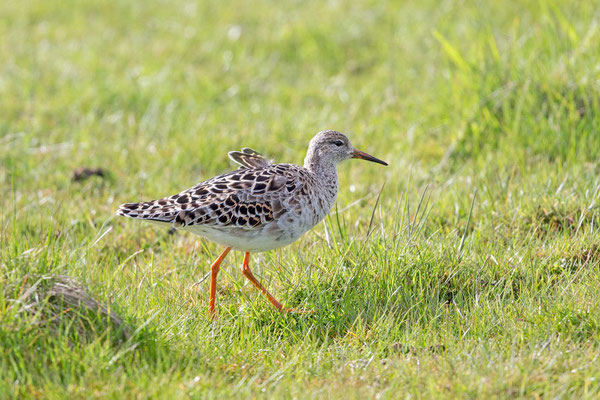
(468, 268)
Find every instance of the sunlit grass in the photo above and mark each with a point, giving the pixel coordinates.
(474, 273)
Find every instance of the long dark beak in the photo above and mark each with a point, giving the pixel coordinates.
(364, 156)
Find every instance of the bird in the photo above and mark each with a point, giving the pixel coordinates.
(258, 207)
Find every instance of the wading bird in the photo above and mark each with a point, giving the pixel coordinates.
(258, 207)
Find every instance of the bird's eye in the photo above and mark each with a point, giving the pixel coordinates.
(338, 142)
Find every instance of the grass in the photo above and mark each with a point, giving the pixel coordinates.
(474, 274)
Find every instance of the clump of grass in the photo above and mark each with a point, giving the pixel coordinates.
(58, 303)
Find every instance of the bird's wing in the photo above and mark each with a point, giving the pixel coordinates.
(248, 158)
(246, 198)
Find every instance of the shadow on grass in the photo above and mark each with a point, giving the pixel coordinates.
(402, 295)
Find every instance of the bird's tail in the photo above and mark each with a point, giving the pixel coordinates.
(155, 210)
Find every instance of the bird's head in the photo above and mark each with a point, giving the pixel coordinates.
(333, 147)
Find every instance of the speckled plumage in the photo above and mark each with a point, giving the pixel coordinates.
(260, 206)
(251, 209)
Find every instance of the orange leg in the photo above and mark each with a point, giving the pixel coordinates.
(248, 274)
(214, 271)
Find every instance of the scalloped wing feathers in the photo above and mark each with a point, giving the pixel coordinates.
(245, 198)
(248, 158)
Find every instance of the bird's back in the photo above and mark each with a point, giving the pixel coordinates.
(253, 209)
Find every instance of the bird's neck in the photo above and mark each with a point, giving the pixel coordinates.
(319, 166)
(325, 176)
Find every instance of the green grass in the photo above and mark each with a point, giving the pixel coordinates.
(476, 274)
